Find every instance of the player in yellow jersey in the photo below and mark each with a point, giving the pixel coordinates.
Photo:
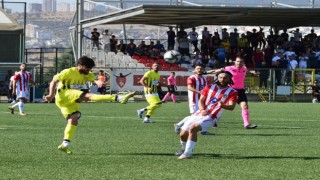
(150, 81)
(68, 95)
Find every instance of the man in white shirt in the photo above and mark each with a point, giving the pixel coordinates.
(106, 40)
(193, 35)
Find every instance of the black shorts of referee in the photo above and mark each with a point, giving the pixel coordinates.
(171, 89)
(242, 97)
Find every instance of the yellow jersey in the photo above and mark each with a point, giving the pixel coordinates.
(72, 79)
(152, 79)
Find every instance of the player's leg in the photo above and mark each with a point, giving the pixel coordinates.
(21, 95)
(191, 142)
(193, 107)
(70, 129)
(166, 97)
(246, 116)
(173, 96)
(97, 97)
(200, 123)
(66, 101)
(154, 103)
(21, 106)
(184, 133)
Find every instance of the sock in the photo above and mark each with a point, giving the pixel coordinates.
(21, 107)
(103, 98)
(189, 146)
(183, 145)
(15, 105)
(66, 143)
(245, 117)
(173, 97)
(166, 97)
(69, 132)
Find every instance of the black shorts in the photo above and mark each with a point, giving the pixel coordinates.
(171, 89)
(102, 89)
(242, 97)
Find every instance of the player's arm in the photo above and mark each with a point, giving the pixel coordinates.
(11, 84)
(52, 87)
(229, 106)
(214, 71)
(142, 82)
(255, 73)
(33, 83)
(191, 88)
(202, 106)
(14, 85)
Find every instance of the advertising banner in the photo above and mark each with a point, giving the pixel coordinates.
(129, 80)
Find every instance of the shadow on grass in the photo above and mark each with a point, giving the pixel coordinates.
(225, 156)
(233, 156)
(264, 135)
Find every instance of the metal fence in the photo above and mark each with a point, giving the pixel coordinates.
(52, 60)
(281, 84)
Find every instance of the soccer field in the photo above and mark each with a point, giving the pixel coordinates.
(111, 142)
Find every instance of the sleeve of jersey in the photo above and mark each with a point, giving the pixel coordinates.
(190, 81)
(62, 75)
(227, 68)
(91, 77)
(205, 91)
(147, 74)
(234, 96)
(16, 77)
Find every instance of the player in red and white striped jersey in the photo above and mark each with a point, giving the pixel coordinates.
(215, 98)
(195, 83)
(21, 88)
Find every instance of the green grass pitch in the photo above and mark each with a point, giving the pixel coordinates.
(111, 142)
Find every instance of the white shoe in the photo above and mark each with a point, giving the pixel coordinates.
(13, 102)
(140, 112)
(177, 128)
(185, 156)
(180, 152)
(147, 120)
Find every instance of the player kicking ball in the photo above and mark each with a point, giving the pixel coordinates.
(214, 99)
(68, 95)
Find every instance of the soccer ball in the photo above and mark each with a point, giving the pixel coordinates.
(172, 56)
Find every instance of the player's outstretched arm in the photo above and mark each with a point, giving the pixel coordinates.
(214, 71)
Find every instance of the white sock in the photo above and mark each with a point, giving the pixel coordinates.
(66, 143)
(21, 107)
(15, 105)
(183, 145)
(119, 98)
(189, 146)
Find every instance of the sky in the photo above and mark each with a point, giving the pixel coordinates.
(18, 7)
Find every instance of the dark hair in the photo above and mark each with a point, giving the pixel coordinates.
(228, 73)
(200, 64)
(86, 61)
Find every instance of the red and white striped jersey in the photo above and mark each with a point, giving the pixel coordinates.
(22, 80)
(214, 94)
(197, 83)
